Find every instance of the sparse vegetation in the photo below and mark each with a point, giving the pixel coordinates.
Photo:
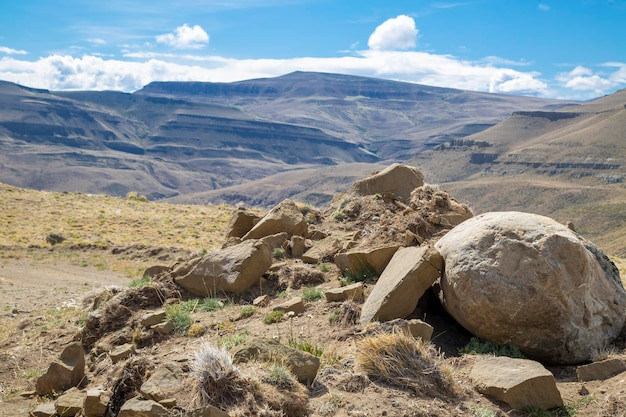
(278, 253)
(140, 282)
(281, 376)
(180, 315)
(217, 381)
(312, 294)
(483, 347)
(273, 317)
(366, 273)
(229, 342)
(247, 311)
(210, 304)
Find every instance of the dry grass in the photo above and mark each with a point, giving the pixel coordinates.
(401, 360)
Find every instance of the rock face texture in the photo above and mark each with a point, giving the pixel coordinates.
(232, 269)
(527, 280)
(397, 179)
(285, 217)
(63, 374)
(521, 383)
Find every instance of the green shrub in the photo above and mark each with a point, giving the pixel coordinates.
(306, 345)
(275, 316)
(210, 304)
(247, 311)
(278, 253)
(140, 282)
(339, 216)
(229, 342)
(324, 267)
(180, 316)
(483, 347)
(365, 273)
(280, 376)
(312, 294)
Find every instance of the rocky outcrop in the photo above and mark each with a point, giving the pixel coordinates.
(241, 223)
(527, 280)
(397, 179)
(409, 274)
(521, 383)
(352, 292)
(70, 403)
(162, 382)
(68, 372)
(361, 261)
(285, 217)
(233, 269)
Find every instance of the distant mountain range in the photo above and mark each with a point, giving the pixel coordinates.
(309, 135)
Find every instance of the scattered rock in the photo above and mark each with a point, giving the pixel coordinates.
(323, 250)
(420, 329)
(262, 301)
(358, 261)
(167, 327)
(54, 238)
(153, 317)
(415, 327)
(551, 310)
(136, 407)
(241, 223)
(162, 382)
(119, 353)
(409, 274)
(66, 373)
(352, 292)
(397, 179)
(297, 246)
(600, 370)
(276, 240)
(95, 404)
(70, 403)
(285, 217)
(233, 269)
(521, 383)
(295, 304)
(302, 364)
(297, 275)
(154, 270)
(45, 410)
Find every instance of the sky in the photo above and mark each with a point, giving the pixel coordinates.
(568, 49)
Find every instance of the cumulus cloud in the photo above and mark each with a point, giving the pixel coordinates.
(185, 37)
(393, 34)
(584, 79)
(11, 51)
(544, 7)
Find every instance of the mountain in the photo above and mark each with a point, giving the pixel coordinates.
(175, 139)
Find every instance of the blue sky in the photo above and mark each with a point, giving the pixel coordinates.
(573, 49)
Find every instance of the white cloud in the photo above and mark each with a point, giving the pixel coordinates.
(544, 7)
(584, 79)
(97, 41)
(393, 34)
(11, 51)
(185, 37)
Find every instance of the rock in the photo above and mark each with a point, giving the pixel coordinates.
(241, 223)
(600, 370)
(323, 250)
(295, 304)
(96, 401)
(153, 317)
(70, 403)
(397, 179)
(66, 373)
(285, 217)
(207, 411)
(54, 238)
(521, 383)
(233, 269)
(302, 364)
(162, 382)
(96, 298)
(276, 240)
(136, 407)
(261, 301)
(358, 261)
(415, 327)
(45, 410)
(352, 292)
(409, 274)
(420, 329)
(119, 353)
(527, 280)
(154, 270)
(297, 246)
(167, 327)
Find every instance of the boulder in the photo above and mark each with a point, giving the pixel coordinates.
(297, 246)
(276, 240)
(303, 365)
(521, 383)
(409, 274)
(136, 407)
(396, 179)
(70, 403)
(323, 250)
(163, 382)
(375, 259)
(526, 280)
(96, 401)
(285, 217)
(233, 269)
(241, 223)
(68, 372)
(600, 370)
(167, 327)
(295, 305)
(352, 292)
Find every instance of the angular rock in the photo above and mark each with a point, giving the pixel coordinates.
(136, 407)
(358, 261)
(241, 223)
(68, 372)
(600, 370)
(261, 301)
(153, 317)
(207, 411)
(302, 364)
(527, 280)
(154, 270)
(119, 353)
(162, 382)
(297, 246)
(396, 179)
(70, 403)
(409, 274)
(285, 217)
(521, 383)
(276, 240)
(295, 304)
(233, 269)
(352, 292)
(419, 329)
(45, 410)
(96, 401)
(323, 250)
(167, 327)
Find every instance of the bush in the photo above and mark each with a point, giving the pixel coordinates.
(247, 311)
(366, 273)
(140, 282)
(483, 347)
(280, 376)
(210, 304)
(278, 253)
(312, 294)
(180, 316)
(274, 317)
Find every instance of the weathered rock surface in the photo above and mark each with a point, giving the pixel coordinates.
(45, 410)
(162, 382)
(409, 274)
(357, 261)
(119, 353)
(352, 292)
(521, 383)
(285, 217)
(70, 402)
(523, 279)
(302, 364)
(397, 179)
(95, 404)
(600, 370)
(136, 407)
(241, 223)
(153, 317)
(295, 305)
(68, 372)
(232, 269)
(207, 411)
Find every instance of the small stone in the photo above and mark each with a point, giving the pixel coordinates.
(261, 301)
(349, 292)
(70, 403)
(166, 327)
(295, 305)
(152, 318)
(583, 390)
(95, 404)
(45, 410)
(122, 352)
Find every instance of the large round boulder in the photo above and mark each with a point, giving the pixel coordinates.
(529, 281)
